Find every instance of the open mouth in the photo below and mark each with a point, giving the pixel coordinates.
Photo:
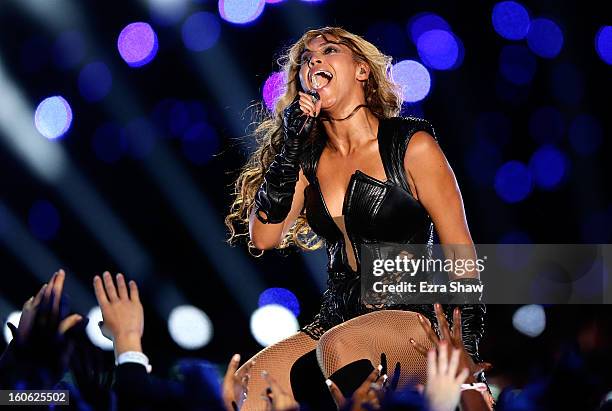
(320, 79)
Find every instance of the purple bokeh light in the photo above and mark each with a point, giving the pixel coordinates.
(241, 11)
(273, 88)
(137, 44)
(414, 80)
(53, 117)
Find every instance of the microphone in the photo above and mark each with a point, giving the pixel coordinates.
(315, 98)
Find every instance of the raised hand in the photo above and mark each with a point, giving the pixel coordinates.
(443, 387)
(367, 397)
(235, 384)
(122, 312)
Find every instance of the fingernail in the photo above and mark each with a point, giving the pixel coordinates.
(236, 357)
(379, 367)
(385, 376)
(328, 382)
(411, 341)
(420, 317)
(264, 373)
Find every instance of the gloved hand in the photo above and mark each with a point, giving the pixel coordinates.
(275, 195)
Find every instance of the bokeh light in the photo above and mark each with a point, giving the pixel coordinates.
(12, 318)
(546, 125)
(530, 320)
(167, 12)
(438, 49)
(44, 220)
(140, 137)
(95, 81)
(585, 134)
(53, 117)
(274, 1)
(272, 323)
(548, 166)
(513, 182)
(69, 49)
(423, 22)
(414, 80)
(273, 88)
(201, 31)
(200, 143)
(280, 296)
(515, 237)
(109, 142)
(137, 44)
(603, 44)
(510, 20)
(190, 327)
(240, 11)
(93, 330)
(545, 38)
(567, 84)
(517, 65)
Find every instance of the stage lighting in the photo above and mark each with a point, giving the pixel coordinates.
(545, 38)
(548, 167)
(603, 43)
(69, 49)
(510, 20)
(438, 49)
(280, 296)
(167, 12)
(95, 81)
(200, 143)
(547, 125)
(585, 134)
(53, 117)
(93, 330)
(513, 182)
(109, 142)
(201, 31)
(272, 323)
(44, 220)
(240, 11)
(414, 80)
(137, 44)
(273, 88)
(190, 327)
(517, 65)
(140, 137)
(530, 320)
(12, 318)
(423, 22)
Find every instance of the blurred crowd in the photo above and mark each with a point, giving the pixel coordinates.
(50, 350)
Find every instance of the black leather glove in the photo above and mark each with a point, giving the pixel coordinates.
(275, 195)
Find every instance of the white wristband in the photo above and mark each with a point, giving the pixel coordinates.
(134, 357)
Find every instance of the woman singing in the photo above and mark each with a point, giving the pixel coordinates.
(335, 162)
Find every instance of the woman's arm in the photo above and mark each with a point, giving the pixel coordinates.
(268, 236)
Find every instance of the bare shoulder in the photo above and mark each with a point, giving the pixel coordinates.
(422, 147)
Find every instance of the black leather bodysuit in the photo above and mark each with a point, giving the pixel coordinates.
(374, 211)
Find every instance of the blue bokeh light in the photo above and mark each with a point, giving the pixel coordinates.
(53, 117)
(438, 49)
(510, 20)
(414, 80)
(548, 166)
(515, 237)
(200, 143)
(513, 182)
(201, 31)
(545, 38)
(517, 65)
(95, 81)
(241, 11)
(422, 22)
(69, 49)
(44, 220)
(280, 296)
(547, 125)
(140, 137)
(567, 83)
(109, 142)
(137, 44)
(585, 134)
(603, 44)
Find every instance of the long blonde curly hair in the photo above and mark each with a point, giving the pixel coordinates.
(383, 98)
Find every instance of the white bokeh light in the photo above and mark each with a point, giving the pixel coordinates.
(530, 320)
(93, 330)
(14, 319)
(190, 327)
(272, 323)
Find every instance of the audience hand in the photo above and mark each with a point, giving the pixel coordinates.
(368, 396)
(235, 384)
(443, 387)
(122, 312)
